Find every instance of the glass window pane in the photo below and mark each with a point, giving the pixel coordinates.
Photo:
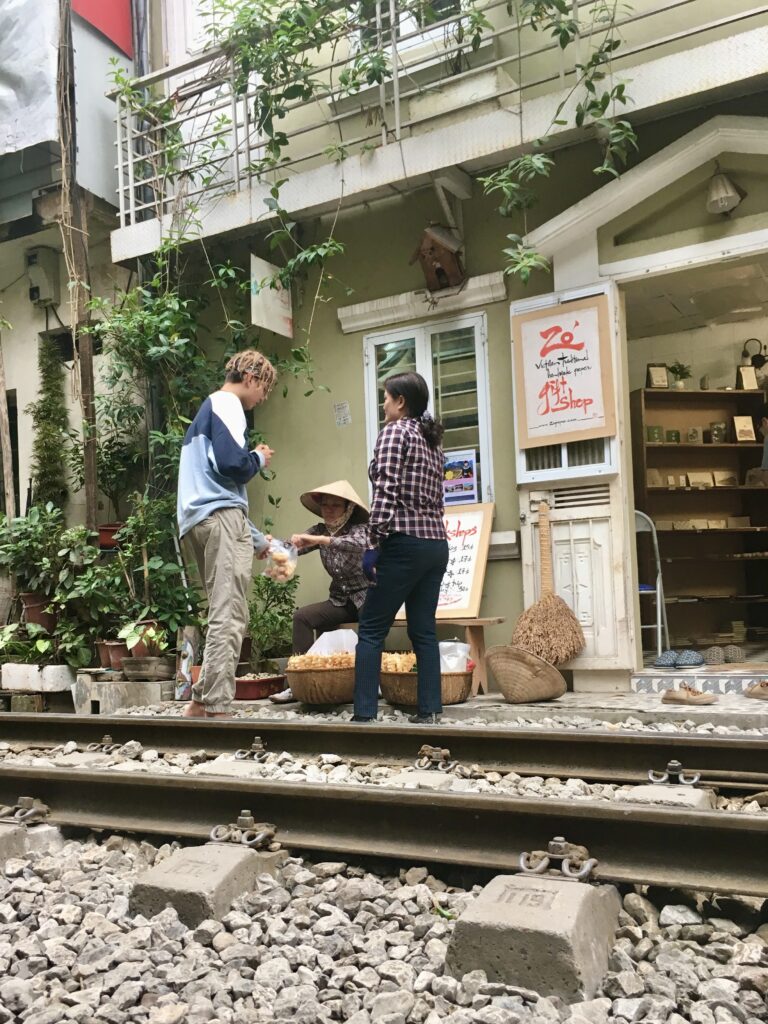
(549, 456)
(587, 453)
(392, 357)
(454, 391)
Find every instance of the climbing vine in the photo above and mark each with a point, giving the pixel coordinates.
(594, 103)
(327, 50)
(50, 423)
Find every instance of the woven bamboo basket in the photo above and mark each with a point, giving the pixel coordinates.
(524, 677)
(322, 685)
(400, 687)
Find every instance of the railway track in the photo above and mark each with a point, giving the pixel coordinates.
(667, 847)
(654, 845)
(593, 755)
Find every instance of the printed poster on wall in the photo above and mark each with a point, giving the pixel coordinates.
(460, 484)
(563, 373)
(469, 536)
(270, 307)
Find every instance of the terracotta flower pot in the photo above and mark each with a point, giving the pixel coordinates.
(102, 652)
(34, 611)
(118, 653)
(194, 673)
(141, 650)
(107, 533)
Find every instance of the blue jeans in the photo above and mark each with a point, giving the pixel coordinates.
(410, 570)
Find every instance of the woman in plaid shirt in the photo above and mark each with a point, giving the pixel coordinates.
(408, 551)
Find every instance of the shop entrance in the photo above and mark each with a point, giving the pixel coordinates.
(697, 362)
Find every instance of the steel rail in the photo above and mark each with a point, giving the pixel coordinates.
(703, 850)
(599, 755)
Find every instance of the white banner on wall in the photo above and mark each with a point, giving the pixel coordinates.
(29, 48)
(270, 307)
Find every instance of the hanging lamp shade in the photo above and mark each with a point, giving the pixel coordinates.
(722, 195)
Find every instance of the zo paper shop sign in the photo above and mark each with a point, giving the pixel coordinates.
(270, 307)
(563, 373)
(469, 536)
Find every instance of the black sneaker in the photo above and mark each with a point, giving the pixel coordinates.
(362, 718)
(432, 719)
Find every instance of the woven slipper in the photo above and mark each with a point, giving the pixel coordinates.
(689, 659)
(733, 654)
(666, 660)
(714, 656)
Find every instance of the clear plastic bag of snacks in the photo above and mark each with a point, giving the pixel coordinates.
(282, 560)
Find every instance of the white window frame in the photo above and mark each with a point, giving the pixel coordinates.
(421, 333)
(408, 26)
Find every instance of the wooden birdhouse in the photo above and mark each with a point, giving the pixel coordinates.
(438, 254)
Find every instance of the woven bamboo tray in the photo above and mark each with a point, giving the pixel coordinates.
(322, 685)
(523, 677)
(400, 687)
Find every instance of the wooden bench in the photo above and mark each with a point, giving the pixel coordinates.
(474, 635)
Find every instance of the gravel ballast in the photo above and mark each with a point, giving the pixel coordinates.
(329, 942)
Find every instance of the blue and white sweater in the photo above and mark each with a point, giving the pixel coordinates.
(216, 464)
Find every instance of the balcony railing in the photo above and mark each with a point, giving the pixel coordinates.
(188, 134)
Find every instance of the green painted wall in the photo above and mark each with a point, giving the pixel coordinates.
(380, 240)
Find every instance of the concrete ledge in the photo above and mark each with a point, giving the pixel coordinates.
(104, 697)
(37, 679)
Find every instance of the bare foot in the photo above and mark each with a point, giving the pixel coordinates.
(194, 710)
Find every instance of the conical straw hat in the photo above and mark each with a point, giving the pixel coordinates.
(339, 489)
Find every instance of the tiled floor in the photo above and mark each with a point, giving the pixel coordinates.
(729, 709)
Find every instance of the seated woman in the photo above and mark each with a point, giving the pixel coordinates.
(341, 539)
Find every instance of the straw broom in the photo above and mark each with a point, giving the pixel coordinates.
(549, 628)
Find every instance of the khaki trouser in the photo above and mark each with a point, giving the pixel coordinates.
(223, 549)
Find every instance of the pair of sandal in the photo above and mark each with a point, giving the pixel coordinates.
(685, 659)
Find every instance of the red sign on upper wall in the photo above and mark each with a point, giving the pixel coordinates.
(110, 17)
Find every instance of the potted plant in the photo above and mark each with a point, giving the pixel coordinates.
(30, 549)
(271, 609)
(151, 640)
(681, 373)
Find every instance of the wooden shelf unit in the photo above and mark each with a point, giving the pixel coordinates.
(702, 567)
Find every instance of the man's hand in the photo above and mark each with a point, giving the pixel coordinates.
(265, 452)
(370, 558)
(265, 551)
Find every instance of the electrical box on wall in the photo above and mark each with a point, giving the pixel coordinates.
(43, 275)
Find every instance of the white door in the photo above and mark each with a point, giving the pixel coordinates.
(588, 486)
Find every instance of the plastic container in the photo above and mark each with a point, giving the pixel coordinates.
(281, 561)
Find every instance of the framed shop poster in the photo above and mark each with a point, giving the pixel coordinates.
(469, 536)
(656, 375)
(563, 373)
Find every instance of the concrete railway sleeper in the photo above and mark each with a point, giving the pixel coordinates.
(596, 755)
(654, 845)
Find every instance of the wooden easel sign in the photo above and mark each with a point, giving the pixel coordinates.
(469, 537)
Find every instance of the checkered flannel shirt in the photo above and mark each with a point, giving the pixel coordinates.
(407, 478)
(343, 561)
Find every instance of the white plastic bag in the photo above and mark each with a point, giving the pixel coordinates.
(338, 641)
(453, 656)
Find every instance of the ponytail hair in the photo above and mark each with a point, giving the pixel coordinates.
(412, 388)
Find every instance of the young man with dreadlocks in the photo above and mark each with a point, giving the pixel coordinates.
(212, 510)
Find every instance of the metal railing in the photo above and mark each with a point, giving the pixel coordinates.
(189, 133)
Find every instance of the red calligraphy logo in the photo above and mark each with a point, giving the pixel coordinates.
(557, 396)
(555, 338)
